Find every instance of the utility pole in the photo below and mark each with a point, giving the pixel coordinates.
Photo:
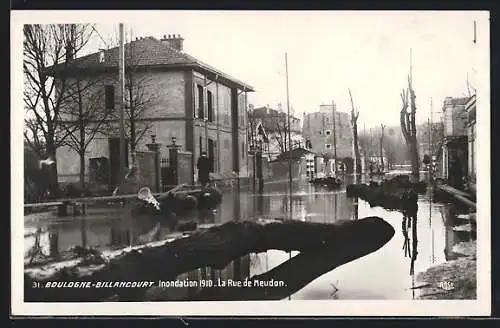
(334, 138)
(430, 131)
(289, 128)
(121, 77)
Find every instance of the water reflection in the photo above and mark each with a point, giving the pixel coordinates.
(380, 275)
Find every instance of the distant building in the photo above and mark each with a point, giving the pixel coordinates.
(470, 108)
(201, 107)
(454, 158)
(300, 160)
(426, 145)
(275, 124)
(318, 129)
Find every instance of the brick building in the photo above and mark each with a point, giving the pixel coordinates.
(318, 129)
(201, 107)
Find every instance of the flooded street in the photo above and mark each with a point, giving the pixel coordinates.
(384, 274)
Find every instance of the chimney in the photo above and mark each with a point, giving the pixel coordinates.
(173, 41)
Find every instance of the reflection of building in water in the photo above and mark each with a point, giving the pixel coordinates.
(42, 242)
(355, 206)
(343, 206)
(449, 237)
(452, 237)
(261, 205)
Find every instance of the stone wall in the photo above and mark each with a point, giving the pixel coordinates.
(146, 175)
(184, 167)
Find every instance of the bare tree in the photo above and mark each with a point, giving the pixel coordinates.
(354, 124)
(382, 128)
(138, 97)
(252, 126)
(84, 118)
(281, 133)
(34, 137)
(45, 46)
(408, 128)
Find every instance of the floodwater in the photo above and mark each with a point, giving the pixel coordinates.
(383, 274)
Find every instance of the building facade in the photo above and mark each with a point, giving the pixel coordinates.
(318, 129)
(470, 108)
(192, 103)
(454, 156)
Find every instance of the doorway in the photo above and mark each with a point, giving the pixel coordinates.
(211, 155)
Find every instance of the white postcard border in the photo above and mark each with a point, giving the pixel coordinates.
(479, 307)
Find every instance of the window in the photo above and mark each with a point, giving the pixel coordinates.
(109, 97)
(101, 56)
(210, 109)
(201, 145)
(320, 133)
(243, 150)
(327, 132)
(328, 146)
(201, 100)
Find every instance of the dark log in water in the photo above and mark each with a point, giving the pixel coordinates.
(395, 194)
(358, 238)
(325, 246)
(178, 202)
(188, 200)
(329, 182)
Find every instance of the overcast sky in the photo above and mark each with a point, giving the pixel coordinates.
(328, 52)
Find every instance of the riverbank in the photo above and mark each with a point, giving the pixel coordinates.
(455, 279)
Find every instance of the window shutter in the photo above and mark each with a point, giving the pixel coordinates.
(205, 103)
(195, 105)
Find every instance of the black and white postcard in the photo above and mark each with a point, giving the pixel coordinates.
(305, 163)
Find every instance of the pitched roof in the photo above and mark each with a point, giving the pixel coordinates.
(461, 101)
(296, 153)
(147, 52)
(261, 131)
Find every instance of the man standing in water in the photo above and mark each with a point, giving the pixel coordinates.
(203, 166)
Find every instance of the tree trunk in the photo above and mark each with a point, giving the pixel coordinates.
(409, 130)
(357, 156)
(53, 183)
(415, 167)
(81, 148)
(82, 172)
(132, 139)
(326, 245)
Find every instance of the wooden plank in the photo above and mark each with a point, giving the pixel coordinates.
(459, 195)
(453, 190)
(107, 198)
(48, 204)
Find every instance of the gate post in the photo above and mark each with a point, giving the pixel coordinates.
(173, 150)
(155, 147)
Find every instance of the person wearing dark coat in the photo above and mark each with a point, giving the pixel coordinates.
(203, 166)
